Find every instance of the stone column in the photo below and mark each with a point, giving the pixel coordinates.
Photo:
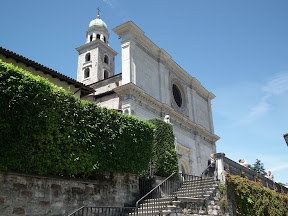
(220, 172)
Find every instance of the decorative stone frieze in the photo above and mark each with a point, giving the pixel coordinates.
(132, 92)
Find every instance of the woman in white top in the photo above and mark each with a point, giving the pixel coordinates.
(270, 176)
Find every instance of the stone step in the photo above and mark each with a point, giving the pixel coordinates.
(151, 205)
(191, 199)
(200, 180)
(188, 187)
(193, 193)
(199, 185)
(196, 188)
(168, 198)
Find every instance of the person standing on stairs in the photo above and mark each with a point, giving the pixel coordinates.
(211, 165)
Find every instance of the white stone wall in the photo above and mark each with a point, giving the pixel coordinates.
(109, 101)
(139, 111)
(140, 67)
(92, 65)
(202, 112)
(96, 65)
(151, 69)
(147, 73)
(196, 151)
(107, 84)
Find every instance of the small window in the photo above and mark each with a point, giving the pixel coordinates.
(91, 38)
(87, 57)
(177, 95)
(106, 74)
(104, 39)
(106, 59)
(86, 73)
(98, 36)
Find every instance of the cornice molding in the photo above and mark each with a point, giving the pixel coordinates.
(184, 148)
(98, 43)
(132, 89)
(130, 31)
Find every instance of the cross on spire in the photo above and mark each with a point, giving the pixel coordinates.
(98, 12)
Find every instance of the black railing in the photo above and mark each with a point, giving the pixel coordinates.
(187, 177)
(104, 211)
(191, 186)
(156, 200)
(159, 196)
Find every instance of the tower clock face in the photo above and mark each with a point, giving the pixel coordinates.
(177, 95)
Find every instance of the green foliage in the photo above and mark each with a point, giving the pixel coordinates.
(164, 159)
(258, 167)
(223, 202)
(253, 199)
(46, 130)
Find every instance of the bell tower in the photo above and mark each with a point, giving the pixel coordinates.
(96, 60)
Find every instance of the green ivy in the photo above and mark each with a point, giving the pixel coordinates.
(164, 159)
(251, 198)
(223, 201)
(46, 130)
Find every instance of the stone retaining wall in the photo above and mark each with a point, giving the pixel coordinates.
(33, 195)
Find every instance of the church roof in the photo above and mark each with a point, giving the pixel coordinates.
(85, 90)
(98, 23)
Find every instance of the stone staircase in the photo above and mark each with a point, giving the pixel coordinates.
(195, 197)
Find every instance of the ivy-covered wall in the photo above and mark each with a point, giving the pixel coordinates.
(252, 199)
(164, 158)
(46, 130)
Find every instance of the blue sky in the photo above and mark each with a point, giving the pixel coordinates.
(237, 49)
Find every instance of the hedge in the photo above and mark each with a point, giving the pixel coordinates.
(164, 159)
(251, 198)
(46, 130)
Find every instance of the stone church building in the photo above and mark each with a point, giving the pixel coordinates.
(151, 85)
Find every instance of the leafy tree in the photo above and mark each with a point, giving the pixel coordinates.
(258, 167)
(164, 157)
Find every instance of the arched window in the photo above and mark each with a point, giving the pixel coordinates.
(98, 36)
(91, 37)
(104, 39)
(177, 95)
(106, 59)
(106, 74)
(86, 73)
(87, 57)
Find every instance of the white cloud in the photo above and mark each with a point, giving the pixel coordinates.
(257, 111)
(277, 85)
(277, 168)
(109, 2)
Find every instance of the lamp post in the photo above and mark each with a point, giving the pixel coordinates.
(286, 138)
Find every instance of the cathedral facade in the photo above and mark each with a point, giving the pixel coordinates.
(151, 85)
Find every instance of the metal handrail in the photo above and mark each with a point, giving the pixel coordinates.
(104, 211)
(73, 213)
(150, 192)
(205, 170)
(156, 200)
